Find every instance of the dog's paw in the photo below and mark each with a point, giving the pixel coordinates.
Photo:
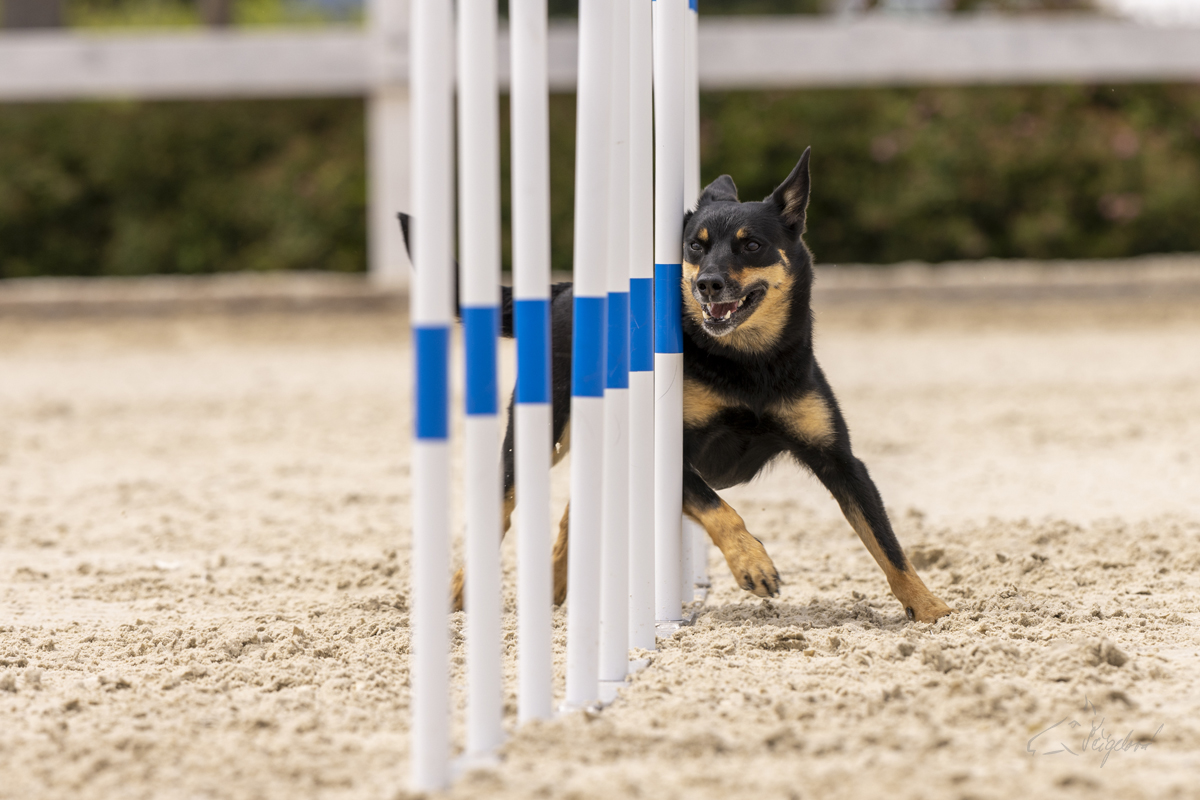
(753, 569)
(926, 608)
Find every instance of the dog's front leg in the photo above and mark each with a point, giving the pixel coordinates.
(847, 480)
(752, 568)
(559, 557)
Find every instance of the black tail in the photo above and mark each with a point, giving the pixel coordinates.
(506, 295)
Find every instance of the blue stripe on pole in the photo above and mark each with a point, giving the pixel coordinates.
(694, 5)
(587, 347)
(432, 345)
(618, 341)
(481, 329)
(531, 324)
(668, 308)
(641, 324)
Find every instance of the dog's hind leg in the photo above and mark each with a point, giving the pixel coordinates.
(752, 568)
(561, 546)
(562, 445)
(560, 401)
(510, 502)
(561, 393)
(456, 585)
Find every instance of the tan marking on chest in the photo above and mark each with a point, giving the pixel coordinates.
(808, 418)
(701, 404)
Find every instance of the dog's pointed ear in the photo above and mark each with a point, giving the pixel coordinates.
(722, 190)
(791, 198)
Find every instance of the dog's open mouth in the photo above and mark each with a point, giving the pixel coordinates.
(721, 318)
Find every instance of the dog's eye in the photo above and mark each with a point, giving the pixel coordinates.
(751, 246)
(696, 246)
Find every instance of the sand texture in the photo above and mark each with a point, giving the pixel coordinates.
(204, 535)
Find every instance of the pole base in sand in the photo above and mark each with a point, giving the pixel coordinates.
(609, 690)
(471, 762)
(666, 628)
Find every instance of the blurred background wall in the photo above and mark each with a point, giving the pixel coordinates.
(930, 174)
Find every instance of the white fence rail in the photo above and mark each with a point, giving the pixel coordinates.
(747, 53)
(736, 53)
(66, 66)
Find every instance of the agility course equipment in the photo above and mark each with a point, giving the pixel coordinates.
(641, 327)
(431, 314)
(669, 21)
(695, 538)
(592, 150)
(614, 553)
(631, 566)
(479, 299)
(530, 112)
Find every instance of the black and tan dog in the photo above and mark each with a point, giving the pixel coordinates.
(753, 391)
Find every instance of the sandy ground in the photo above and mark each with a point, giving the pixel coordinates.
(204, 534)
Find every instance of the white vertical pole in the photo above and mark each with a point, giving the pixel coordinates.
(432, 308)
(479, 294)
(531, 321)
(641, 327)
(700, 540)
(691, 108)
(694, 533)
(388, 146)
(687, 591)
(588, 351)
(669, 19)
(695, 546)
(614, 556)
(690, 192)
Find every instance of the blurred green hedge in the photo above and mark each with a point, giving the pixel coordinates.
(124, 189)
(962, 173)
(929, 174)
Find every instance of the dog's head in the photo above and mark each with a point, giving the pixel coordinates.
(745, 264)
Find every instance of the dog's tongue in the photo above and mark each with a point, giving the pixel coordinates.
(721, 309)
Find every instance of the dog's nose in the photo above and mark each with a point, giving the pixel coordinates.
(710, 284)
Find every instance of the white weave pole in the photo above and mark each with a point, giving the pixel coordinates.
(479, 299)
(588, 351)
(695, 538)
(669, 22)
(531, 316)
(694, 533)
(431, 312)
(691, 108)
(641, 327)
(614, 555)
